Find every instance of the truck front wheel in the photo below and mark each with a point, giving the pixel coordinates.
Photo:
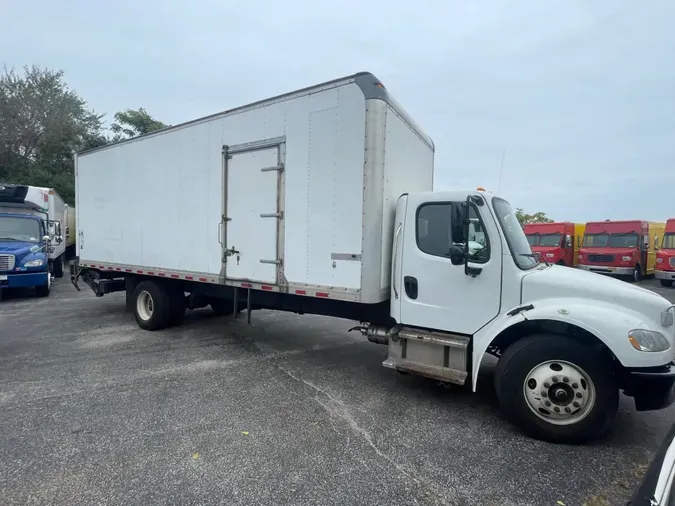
(637, 274)
(152, 306)
(666, 282)
(44, 290)
(58, 267)
(556, 389)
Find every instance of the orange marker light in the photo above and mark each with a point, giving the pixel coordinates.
(480, 189)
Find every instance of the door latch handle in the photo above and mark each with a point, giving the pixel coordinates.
(230, 252)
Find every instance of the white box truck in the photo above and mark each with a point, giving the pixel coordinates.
(320, 201)
(32, 248)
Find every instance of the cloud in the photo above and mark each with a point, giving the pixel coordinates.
(580, 94)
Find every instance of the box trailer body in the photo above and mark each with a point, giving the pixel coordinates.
(665, 256)
(295, 194)
(621, 248)
(320, 201)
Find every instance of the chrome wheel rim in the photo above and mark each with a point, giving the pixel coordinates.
(145, 306)
(559, 392)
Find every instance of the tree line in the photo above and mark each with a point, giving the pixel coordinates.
(43, 123)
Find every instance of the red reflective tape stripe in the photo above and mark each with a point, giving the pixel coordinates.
(161, 274)
(322, 294)
(101, 267)
(246, 285)
(151, 273)
(175, 276)
(139, 272)
(189, 277)
(127, 270)
(118, 269)
(202, 279)
(301, 292)
(267, 287)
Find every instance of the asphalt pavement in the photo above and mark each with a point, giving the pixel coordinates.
(288, 410)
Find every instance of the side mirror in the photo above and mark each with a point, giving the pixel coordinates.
(568, 241)
(46, 238)
(457, 255)
(59, 239)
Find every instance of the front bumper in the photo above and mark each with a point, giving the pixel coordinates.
(25, 279)
(664, 275)
(652, 388)
(607, 269)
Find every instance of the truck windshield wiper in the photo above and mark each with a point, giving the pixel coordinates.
(8, 239)
(540, 258)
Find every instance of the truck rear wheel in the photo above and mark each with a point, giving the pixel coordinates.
(58, 267)
(152, 306)
(556, 389)
(666, 282)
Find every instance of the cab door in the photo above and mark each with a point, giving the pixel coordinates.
(432, 292)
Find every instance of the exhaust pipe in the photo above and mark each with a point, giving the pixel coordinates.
(377, 334)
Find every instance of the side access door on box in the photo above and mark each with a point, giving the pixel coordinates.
(252, 220)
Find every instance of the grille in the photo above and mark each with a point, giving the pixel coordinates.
(601, 258)
(672, 262)
(6, 262)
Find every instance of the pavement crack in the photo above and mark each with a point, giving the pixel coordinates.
(336, 407)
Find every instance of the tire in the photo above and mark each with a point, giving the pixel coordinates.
(58, 267)
(177, 311)
(637, 274)
(666, 282)
(529, 357)
(46, 289)
(221, 307)
(152, 305)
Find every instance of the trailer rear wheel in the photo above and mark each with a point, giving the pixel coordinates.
(152, 306)
(556, 390)
(57, 266)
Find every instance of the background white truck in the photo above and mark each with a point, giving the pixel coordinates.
(32, 246)
(320, 201)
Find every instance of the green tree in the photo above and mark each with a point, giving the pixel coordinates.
(132, 122)
(524, 218)
(42, 123)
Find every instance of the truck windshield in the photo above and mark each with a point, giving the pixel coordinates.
(550, 240)
(669, 241)
(515, 237)
(596, 240)
(19, 229)
(533, 239)
(629, 240)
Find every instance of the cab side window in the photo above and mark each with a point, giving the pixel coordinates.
(440, 226)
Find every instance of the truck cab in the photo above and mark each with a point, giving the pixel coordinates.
(621, 248)
(665, 256)
(23, 253)
(567, 340)
(25, 239)
(557, 243)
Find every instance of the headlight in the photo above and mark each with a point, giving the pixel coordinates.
(626, 259)
(33, 263)
(648, 340)
(550, 255)
(580, 257)
(659, 260)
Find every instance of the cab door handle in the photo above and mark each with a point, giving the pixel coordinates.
(410, 286)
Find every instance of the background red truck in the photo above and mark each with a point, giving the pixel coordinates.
(621, 248)
(665, 257)
(557, 243)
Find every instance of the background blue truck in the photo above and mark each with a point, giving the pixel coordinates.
(37, 232)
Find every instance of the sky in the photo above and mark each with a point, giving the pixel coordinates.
(576, 97)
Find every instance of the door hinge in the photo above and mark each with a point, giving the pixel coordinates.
(230, 252)
(275, 262)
